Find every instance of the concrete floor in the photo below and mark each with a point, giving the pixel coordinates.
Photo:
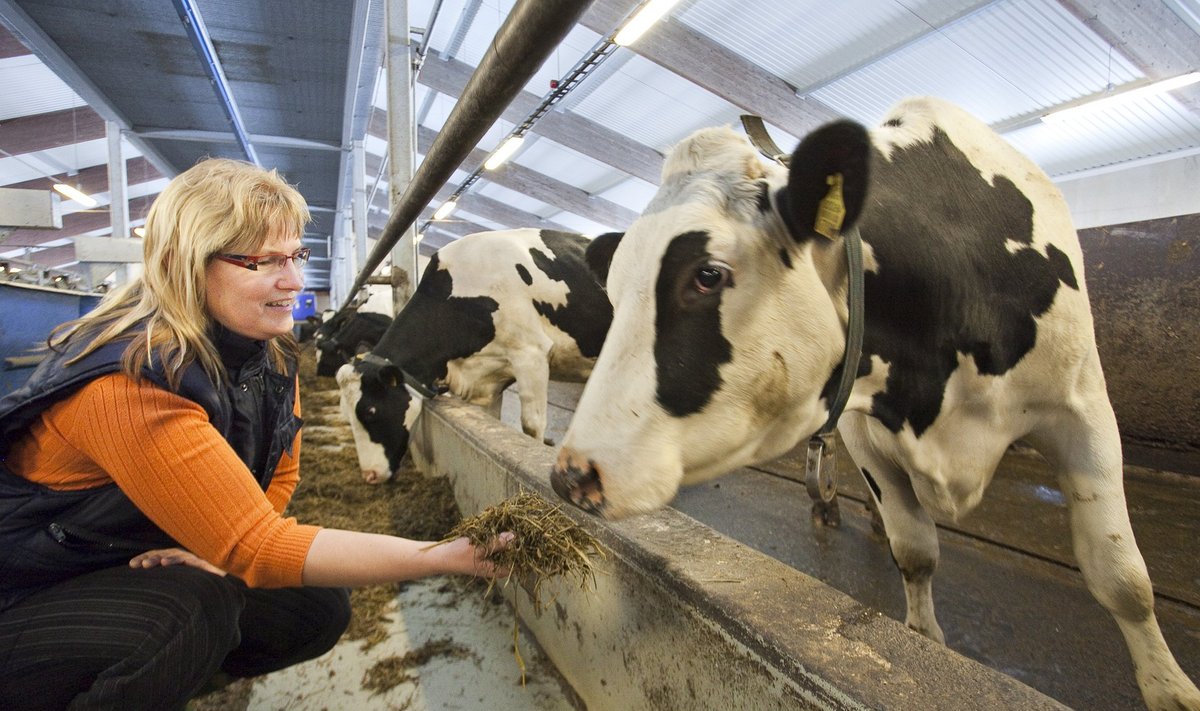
(1007, 592)
(474, 671)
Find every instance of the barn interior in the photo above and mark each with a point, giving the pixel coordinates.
(114, 98)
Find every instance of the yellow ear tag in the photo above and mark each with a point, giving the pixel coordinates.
(832, 210)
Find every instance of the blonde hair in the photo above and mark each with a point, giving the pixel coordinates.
(218, 205)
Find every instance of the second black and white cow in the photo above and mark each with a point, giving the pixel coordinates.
(730, 325)
(346, 335)
(491, 309)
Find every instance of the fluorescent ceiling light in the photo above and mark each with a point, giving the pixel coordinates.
(1122, 98)
(650, 13)
(504, 152)
(445, 209)
(73, 194)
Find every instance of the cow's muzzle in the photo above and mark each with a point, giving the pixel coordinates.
(578, 482)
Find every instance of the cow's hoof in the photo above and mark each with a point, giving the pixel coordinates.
(579, 486)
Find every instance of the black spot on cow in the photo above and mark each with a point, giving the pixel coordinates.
(894, 122)
(525, 275)
(871, 483)
(689, 347)
(435, 327)
(785, 257)
(764, 198)
(958, 274)
(588, 312)
(1061, 264)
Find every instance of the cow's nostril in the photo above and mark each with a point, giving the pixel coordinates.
(579, 485)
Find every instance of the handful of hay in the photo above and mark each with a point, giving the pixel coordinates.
(548, 543)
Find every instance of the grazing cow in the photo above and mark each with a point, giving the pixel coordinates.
(492, 308)
(306, 330)
(347, 334)
(730, 327)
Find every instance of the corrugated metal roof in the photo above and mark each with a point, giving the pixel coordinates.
(288, 63)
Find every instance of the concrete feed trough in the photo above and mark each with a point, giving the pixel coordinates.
(684, 617)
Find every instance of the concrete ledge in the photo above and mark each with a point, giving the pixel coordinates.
(684, 617)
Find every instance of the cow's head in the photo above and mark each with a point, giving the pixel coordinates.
(342, 338)
(327, 346)
(728, 321)
(381, 413)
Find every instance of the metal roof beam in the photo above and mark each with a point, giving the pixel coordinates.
(1150, 35)
(179, 134)
(75, 224)
(706, 63)
(95, 179)
(40, 132)
(53, 57)
(197, 33)
(569, 129)
(541, 187)
(484, 207)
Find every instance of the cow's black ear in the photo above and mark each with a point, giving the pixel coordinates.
(599, 254)
(390, 376)
(839, 148)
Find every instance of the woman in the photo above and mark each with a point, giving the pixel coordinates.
(147, 463)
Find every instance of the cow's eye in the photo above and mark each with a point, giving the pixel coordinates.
(712, 277)
(370, 412)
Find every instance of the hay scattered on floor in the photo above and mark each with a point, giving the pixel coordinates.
(333, 494)
(390, 672)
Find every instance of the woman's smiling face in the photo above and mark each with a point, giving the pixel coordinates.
(256, 304)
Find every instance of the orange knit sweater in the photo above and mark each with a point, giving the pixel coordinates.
(160, 449)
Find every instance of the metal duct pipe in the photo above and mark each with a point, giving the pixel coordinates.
(529, 33)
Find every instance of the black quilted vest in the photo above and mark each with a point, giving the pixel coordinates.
(48, 536)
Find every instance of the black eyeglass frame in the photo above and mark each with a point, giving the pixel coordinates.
(250, 261)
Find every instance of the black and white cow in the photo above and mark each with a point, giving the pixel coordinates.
(730, 323)
(347, 334)
(491, 309)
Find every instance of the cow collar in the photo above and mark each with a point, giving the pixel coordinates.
(852, 242)
(820, 469)
(421, 388)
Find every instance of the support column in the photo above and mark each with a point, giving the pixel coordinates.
(118, 194)
(402, 144)
(358, 203)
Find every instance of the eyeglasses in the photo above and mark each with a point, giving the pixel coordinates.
(266, 263)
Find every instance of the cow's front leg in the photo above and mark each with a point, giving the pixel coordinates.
(531, 368)
(911, 532)
(912, 536)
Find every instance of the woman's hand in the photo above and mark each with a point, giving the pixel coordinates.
(462, 557)
(173, 556)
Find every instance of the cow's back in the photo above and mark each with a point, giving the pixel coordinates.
(971, 256)
(490, 294)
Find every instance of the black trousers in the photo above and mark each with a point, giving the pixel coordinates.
(131, 639)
